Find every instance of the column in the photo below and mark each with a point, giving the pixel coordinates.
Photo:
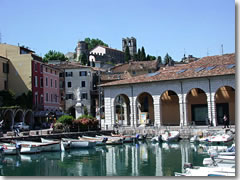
(156, 104)
(125, 114)
(181, 110)
(213, 109)
(133, 117)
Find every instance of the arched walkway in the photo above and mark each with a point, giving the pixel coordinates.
(225, 104)
(8, 120)
(170, 115)
(145, 109)
(29, 118)
(122, 110)
(19, 116)
(197, 108)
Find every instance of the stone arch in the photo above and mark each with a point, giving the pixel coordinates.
(197, 107)
(225, 104)
(19, 116)
(170, 114)
(28, 118)
(122, 110)
(71, 111)
(145, 109)
(8, 117)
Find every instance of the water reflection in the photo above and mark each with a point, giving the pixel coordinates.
(142, 159)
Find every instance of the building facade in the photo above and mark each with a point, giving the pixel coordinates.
(4, 71)
(77, 82)
(198, 93)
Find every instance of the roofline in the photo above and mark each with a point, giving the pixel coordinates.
(5, 58)
(164, 80)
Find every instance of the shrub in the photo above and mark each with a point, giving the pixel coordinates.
(65, 119)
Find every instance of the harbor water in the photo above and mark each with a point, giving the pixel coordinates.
(130, 159)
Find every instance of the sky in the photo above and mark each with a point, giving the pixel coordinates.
(193, 27)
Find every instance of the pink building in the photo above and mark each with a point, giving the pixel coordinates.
(51, 93)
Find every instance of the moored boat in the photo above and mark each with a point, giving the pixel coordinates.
(76, 143)
(170, 136)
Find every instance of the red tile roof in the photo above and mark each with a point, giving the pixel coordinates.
(171, 73)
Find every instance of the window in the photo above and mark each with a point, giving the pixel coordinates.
(51, 71)
(60, 74)
(55, 97)
(41, 99)
(46, 69)
(41, 68)
(69, 96)
(5, 68)
(46, 81)
(51, 83)
(41, 82)
(5, 85)
(55, 83)
(83, 73)
(83, 84)
(36, 99)
(46, 97)
(69, 74)
(36, 81)
(35, 67)
(51, 98)
(84, 96)
(69, 84)
(134, 72)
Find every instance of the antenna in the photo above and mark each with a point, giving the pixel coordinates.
(222, 48)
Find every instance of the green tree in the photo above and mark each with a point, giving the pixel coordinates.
(159, 58)
(7, 98)
(65, 120)
(148, 58)
(127, 55)
(167, 59)
(83, 59)
(143, 54)
(25, 100)
(54, 55)
(139, 54)
(92, 43)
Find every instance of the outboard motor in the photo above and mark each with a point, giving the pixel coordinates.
(105, 139)
(187, 165)
(160, 138)
(137, 136)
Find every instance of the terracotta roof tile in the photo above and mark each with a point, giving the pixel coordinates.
(170, 73)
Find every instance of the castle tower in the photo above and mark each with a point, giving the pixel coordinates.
(131, 43)
(82, 48)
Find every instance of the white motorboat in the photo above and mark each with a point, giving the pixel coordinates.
(9, 149)
(221, 138)
(169, 136)
(208, 171)
(76, 143)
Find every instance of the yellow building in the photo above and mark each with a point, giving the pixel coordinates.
(4, 69)
(20, 67)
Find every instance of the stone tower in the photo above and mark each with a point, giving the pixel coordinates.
(131, 43)
(82, 48)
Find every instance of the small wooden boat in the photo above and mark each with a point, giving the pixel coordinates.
(63, 145)
(99, 141)
(43, 146)
(221, 138)
(126, 138)
(76, 143)
(112, 140)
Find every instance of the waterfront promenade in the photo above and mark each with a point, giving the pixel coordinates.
(185, 132)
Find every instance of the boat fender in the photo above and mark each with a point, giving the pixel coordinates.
(187, 165)
(137, 136)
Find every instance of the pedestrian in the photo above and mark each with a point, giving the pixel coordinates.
(225, 121)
